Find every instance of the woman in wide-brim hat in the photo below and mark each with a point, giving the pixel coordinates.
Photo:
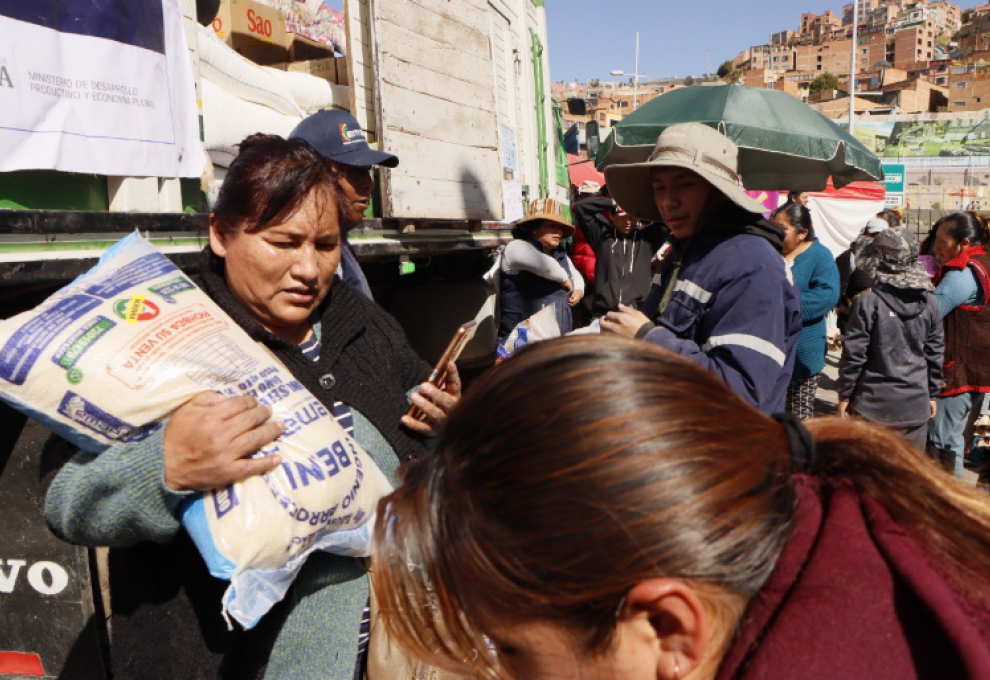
(536, 271)
(724, 298)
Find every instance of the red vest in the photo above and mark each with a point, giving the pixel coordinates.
(967, 330)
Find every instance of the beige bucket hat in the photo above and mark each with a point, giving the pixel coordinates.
(693, 146)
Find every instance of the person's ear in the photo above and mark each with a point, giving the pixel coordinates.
(217, 241)
(670, 617)
(965, 243)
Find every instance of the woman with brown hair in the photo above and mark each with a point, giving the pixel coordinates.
(664, 529)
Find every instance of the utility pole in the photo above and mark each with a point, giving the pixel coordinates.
(852, 66)
(636, 76)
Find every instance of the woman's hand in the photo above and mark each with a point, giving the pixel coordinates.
(843, 409)
(627, 321)
(208, 441)
(575, 297)
(568, 285)
(435, 403)
(933, 405)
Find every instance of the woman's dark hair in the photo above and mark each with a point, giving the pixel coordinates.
(581, 467)
(798, 216)
(269, 180)
(961, 225)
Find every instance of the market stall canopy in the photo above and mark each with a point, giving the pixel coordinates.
(583, 170)
(783, 144)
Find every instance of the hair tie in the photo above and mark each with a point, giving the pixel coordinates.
(799, 440)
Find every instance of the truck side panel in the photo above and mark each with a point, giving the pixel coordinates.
(438, 109)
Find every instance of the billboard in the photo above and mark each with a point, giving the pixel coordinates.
(925, 139)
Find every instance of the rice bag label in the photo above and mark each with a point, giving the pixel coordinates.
(136, 308)
(169, 289)
(79, 410)
(22, 349)
(135, 340)
(166, 341)
(78, 343)
(140, 271)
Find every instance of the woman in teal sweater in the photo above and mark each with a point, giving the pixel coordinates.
(816, 277)
(274, 251)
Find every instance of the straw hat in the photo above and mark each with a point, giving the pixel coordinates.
(692, 146)
(544, 210)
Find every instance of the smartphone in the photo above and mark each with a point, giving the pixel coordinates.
(438, 376)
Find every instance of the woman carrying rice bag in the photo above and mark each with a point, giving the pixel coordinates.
(274, 249)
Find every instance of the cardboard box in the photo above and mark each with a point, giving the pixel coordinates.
(253, 30)
(321, 68)
(343, 72)
(302, 48)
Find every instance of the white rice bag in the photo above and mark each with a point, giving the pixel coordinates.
(107, 359)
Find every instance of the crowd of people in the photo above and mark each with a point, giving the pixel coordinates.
(657, 501)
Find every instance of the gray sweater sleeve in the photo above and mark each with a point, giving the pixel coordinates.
(115, 498)
(856, 344)
(520, 256)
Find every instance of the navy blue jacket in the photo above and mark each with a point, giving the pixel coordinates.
(734, 308)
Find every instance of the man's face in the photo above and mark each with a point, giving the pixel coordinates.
(357, 184)
(682, 197)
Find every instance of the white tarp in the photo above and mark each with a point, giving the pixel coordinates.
(87, 87)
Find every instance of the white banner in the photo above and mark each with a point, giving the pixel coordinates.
(838, 221)
(91, 89)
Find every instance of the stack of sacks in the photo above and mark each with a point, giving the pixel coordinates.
(241, 98)
(312, 93)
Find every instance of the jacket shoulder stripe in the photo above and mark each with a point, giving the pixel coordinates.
(752, 342)
(693, 290)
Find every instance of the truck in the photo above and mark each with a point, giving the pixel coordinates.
(458, 89)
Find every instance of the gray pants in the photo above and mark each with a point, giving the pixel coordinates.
(947, 433)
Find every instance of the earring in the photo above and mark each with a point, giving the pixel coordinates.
(677, 670)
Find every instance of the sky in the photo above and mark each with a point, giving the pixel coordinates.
(590, 39)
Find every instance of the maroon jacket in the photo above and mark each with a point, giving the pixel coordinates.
(854, 597)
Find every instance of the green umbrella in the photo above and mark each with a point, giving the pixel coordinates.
(783, 144)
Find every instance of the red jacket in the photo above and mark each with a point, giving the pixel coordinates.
(853, 596)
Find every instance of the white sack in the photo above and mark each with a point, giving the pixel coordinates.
(227, 120)
(241, 77)
(312, 93)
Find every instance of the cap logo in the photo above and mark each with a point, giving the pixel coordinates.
(351, 136)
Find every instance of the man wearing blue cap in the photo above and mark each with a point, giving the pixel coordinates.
(338, 137)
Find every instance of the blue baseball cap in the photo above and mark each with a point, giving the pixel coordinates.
(337, 135)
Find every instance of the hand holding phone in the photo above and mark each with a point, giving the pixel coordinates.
(438, 376)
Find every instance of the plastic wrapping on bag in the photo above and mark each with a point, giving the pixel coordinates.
(541, 326)
(109, 357)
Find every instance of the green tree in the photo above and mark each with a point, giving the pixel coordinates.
(725, 69)
(689, 81)
(826, 81)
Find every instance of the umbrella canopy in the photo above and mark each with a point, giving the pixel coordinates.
(783, 144)
(582, 171)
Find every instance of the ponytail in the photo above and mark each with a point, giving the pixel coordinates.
(942, 513)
